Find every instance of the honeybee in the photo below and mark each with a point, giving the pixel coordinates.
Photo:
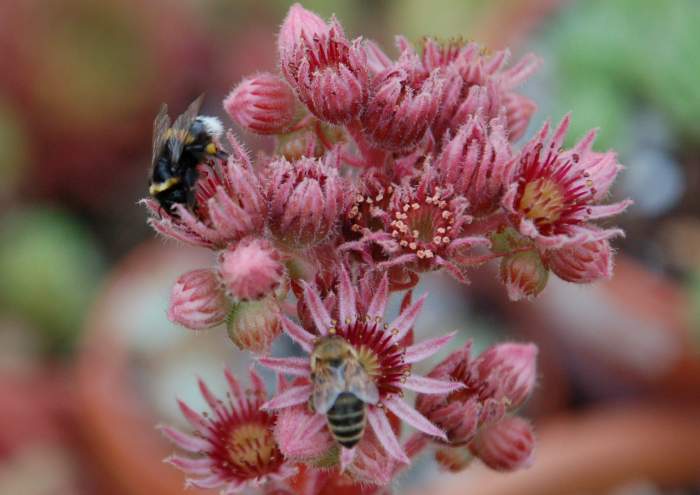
(341, 389)
(177, 150)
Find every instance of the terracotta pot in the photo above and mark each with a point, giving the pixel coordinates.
(117, 419)
(596, 452)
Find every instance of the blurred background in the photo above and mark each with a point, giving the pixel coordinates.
(89, 362)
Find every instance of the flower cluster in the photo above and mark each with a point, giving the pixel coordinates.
(384, 169)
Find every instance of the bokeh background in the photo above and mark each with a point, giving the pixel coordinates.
(89, 362)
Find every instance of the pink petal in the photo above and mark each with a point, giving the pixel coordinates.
(194, 418)
(382, 428)
(379, 300)
(233, 386)
(257, 382)
(425, 349)
(199, 467)
(427, 385)
(560, 132)
(233, 487)
(603, 211)
(413, 417)
(346, 458)
(211, 399)
(318, 311)
(213, 481)
(298, 334)
(290, 397)
(346, 298)
(290, 366)
(403, 323)
(183, 440)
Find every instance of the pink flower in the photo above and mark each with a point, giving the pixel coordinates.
(263, 104)
(229, 205)
(401, 106)
(582, 263)
(233, 448)
(197, 301)
(476, 162)
(251, 269)
(254, 325)
(328, 72)
(453, 459)
(382, 354)
(475, 81)
(497, 381)
(524, 274)
(422, 227)
(506, 445)
(306, 199)
(557, 193)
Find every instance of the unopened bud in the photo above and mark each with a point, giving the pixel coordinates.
(197, 301)
(263, 104)
(582, 263)
(510, 370)
(523, 274)
(253, 325)
(505, 446)
(251, 270)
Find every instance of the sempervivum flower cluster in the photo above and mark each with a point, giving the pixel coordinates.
(383, 169)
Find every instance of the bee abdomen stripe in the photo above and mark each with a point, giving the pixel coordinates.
(346, 430)
(343, 415)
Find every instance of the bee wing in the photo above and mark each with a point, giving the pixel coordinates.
(328, 385)
(160, 125)
(182, 126)
(359, 383)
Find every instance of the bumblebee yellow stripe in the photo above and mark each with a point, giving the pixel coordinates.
(163, 186)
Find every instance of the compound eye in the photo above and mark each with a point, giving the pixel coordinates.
(335, 362)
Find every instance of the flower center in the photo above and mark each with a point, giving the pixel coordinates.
(542, 201)
(379, 354)
(250, 446)
(423, 228)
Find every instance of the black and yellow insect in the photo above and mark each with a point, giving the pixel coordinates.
(341, 389)
(177, 150)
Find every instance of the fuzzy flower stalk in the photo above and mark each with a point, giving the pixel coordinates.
(381, 169)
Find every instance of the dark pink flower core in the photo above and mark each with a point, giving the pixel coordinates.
(328, 51)
(379, 353)
(552, 191)
(242, 443)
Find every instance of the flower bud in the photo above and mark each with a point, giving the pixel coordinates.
(476, 162)
(457, 414)
(251, 269)
(253, 325)
(505, 446)
(509, 370)
(328, 72)
(523, 274)
(400, 108)
(263, 104)
(298, 24)
(306, 198)
(453, 459)
(582, 263)
(197, 301)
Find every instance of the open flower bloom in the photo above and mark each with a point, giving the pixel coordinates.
(233, 447)
(382, 353)
(328, 72)
(557, 193)
(422, 227)
(229, 204)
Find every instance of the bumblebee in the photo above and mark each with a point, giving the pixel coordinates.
(341, 389)
(177, 150)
